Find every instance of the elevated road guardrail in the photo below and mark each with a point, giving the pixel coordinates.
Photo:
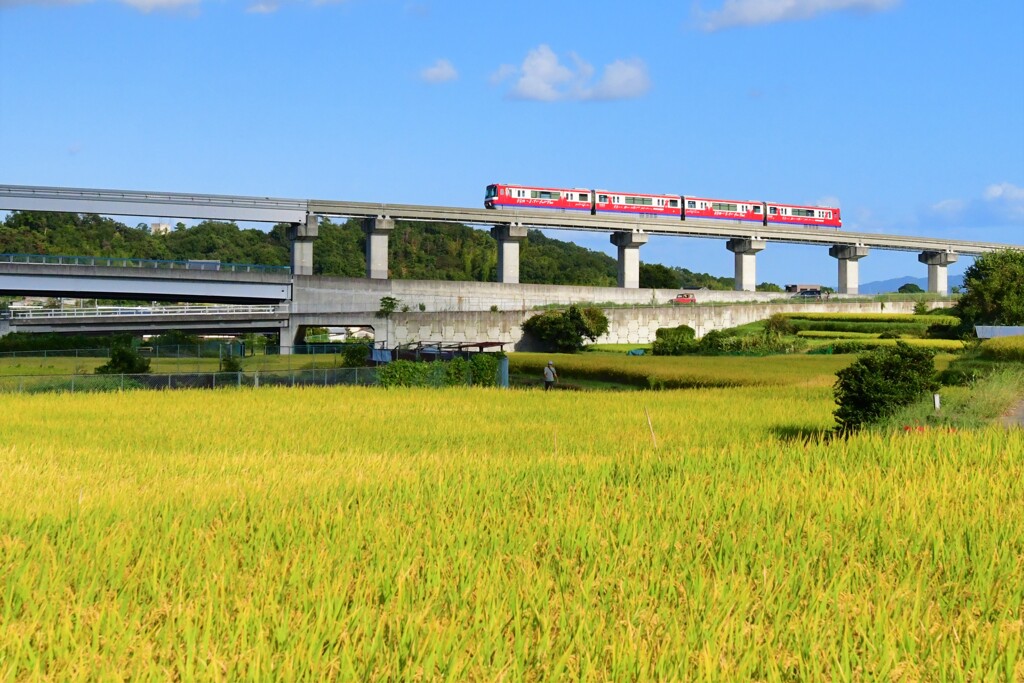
(163, 204)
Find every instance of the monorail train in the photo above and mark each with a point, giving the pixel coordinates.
(500, 196)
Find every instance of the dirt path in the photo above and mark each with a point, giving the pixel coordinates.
(1014, 417)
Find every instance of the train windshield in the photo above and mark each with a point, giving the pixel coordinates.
(492, 191)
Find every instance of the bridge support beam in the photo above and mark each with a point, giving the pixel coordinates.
(509, 237)
(629, 244)
(938, 274)
(377, 230)
(302, 236)
(746, 264)
(849, 268)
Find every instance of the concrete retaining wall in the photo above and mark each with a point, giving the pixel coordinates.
(625, 325)
(313, 294)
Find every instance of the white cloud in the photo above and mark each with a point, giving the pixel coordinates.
(1006, 200)
(543, 77)
(622, 79)
(262, 8)
(442, 71)
(159, 5)
(999, 204)
(754, 12)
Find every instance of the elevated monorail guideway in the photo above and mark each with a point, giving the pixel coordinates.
(162, 204)
(691, 227)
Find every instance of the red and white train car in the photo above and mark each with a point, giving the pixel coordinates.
(607, 201)
(501, 196)
(523, 197)
(792, 214)
(727, 209)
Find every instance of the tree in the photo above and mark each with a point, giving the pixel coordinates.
(564, 331)
(880, 382)
(388, 305)
(995, 290)
(124, 360)
(657, 276)
(768, 287)
(909, 288)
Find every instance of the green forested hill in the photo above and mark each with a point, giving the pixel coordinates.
(418, 251)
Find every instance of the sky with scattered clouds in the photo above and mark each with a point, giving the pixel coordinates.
(907, 114)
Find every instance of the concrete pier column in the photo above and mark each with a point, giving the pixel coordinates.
(629, 244)
(302, 236)
(938, 275)
(509, 237)
(746, 264)
(849, 269)
(377, 230)
(289, 333)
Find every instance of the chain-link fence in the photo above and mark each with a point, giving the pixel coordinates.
(81, 383)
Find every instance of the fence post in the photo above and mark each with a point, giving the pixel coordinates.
(239, 379)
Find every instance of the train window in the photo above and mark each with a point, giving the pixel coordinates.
(772, 210)
(492, 191)
(757, 209)
(640, 201)
(544, 194)
(674, 203)
(603, 198)
(584, 197)
(723, 206)
(807, 213)
(690, 204)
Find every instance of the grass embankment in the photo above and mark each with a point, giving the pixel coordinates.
(484, 534)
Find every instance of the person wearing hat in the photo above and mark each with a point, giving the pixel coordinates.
(550, 375)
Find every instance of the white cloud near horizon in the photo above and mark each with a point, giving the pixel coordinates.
(999, 204)
(755, 12)
(441, 71)
(542, 77)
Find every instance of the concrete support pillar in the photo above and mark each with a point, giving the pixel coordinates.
(289, 333)
(938, 275)
(849, 269)
(746, 264)
(377, 230)
(509, 237)
(302, 236)
(629, 244)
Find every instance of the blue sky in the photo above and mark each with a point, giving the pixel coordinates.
(909, 114)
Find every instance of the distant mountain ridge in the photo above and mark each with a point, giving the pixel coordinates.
(888, 286)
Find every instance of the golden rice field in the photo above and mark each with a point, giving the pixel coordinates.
(468, 534)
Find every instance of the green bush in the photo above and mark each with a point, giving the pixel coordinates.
(564, 331)
(674, 341)
(355, 355)
(880, 382)
(480, 370)
(124, 360)
(778, 324)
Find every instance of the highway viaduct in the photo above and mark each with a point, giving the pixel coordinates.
(629, 233)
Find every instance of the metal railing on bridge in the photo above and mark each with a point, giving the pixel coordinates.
(157, 264)
(189, 310)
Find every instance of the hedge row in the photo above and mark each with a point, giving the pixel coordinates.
(877, 318)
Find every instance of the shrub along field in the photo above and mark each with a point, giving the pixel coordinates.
(469, 534)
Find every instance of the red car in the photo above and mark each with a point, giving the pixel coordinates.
(684, 299)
